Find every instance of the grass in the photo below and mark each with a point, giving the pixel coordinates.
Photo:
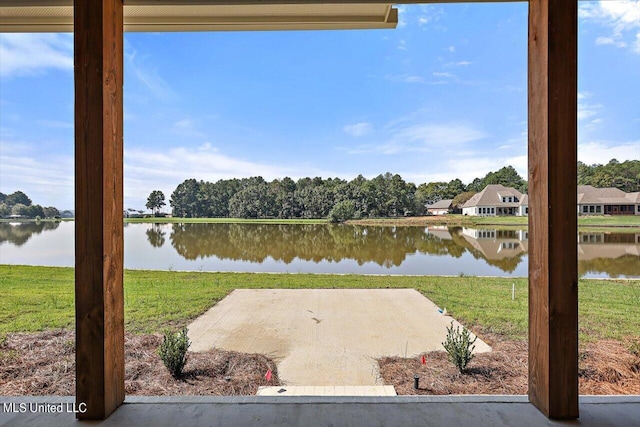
(40, 298)
(593, 222)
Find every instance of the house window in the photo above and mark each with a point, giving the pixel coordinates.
(526, 210)
(591, 209)
(585, 209)
(598, 209)
(493, 210)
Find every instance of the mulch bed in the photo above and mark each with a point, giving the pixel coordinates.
(605, 367)
(44, 364)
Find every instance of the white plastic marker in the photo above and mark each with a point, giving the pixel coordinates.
(513, 291)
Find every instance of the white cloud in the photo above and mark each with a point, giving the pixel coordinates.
(622, 18)
(402, 16)
(404, 136)
(443, 74)
(601, 152)
(148, 169)
(587, 110)
(405, 78)
(147, 74)
(468, 168)
(187, 128)
(46, 179)
(29, 54)
(458, 64)
(357, 129)
(451, 48)
(49, 179)
(609, 40)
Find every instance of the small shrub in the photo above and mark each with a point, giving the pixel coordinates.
(459, 346)
(173, 351)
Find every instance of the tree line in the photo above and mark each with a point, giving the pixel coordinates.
(386, 195)
(19, 204)
(625, 175)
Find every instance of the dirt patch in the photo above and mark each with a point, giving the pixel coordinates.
(606, 367)
(44, 364)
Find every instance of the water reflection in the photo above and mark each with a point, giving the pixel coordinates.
(155, 235)
(321, 248)
(614, 254)
(19, 233)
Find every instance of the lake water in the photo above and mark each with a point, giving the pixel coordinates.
(321, 248)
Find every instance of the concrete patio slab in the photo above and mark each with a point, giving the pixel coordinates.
(324, 336)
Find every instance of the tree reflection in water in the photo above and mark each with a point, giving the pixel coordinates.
(19, 233)
(384, 246)
(156, 235)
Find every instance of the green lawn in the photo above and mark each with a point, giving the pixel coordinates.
(37, 298)
(619, 222)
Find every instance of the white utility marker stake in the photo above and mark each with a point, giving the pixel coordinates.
(513, 291)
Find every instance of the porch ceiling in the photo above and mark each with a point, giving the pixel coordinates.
(57, 16)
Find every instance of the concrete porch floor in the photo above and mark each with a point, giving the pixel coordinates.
(308, 411)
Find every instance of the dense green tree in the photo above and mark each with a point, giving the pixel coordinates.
(429, 193)
(315, 201)
(17, 197)
(19, 209)
(51, 212)
(5, 210)
(461, 199)
(35, 211)
(155, 201)
(253, 201)
(184, 199)
(624, 176)
(343, 211)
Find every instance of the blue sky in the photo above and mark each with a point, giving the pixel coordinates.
(443, 96)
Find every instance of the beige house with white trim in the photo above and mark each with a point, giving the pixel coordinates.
(497, 200)
(607, 201)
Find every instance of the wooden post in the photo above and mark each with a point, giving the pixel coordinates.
(98, 56)
(553, 260)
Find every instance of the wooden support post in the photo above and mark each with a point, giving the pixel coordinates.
(553, 259)
(98, 55)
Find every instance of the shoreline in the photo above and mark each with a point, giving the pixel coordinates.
(624, 224)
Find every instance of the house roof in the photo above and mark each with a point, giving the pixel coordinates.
(441, 204)
(588, 194)
(492, 196)
(202, 15)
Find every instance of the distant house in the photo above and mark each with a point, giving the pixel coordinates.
(607, 201)
(497, 200)
(441, 207)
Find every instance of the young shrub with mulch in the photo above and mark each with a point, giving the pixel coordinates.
(606, 367)
(44, 364)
